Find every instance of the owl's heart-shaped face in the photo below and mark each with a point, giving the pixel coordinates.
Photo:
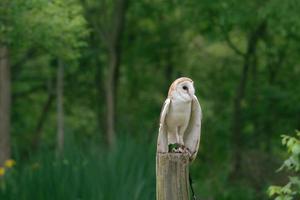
(182, 89)
(185, 90)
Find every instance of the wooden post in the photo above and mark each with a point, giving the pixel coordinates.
(172, 176)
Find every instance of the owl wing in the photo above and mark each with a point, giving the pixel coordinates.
(193, 132)
(162, 140)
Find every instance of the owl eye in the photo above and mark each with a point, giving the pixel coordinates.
(184, 87)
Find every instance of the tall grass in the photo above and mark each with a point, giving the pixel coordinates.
(125, 172)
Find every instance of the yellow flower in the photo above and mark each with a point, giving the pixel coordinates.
(9, 163)
(2, 171)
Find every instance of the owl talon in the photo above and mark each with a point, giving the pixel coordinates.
(186, 150)
(180, 150)
(176, 148)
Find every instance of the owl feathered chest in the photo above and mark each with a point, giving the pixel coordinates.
(179, 113)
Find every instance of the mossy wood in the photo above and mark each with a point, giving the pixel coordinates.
(172, 176)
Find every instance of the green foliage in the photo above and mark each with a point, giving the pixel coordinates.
(292, 189)
(162, 40)
(63, 34)
(57, 27)
(86, 172)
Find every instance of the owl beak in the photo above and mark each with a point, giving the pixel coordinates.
(189, 93)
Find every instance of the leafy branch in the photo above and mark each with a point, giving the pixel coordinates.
(292, 164)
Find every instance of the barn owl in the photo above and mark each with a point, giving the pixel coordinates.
(180, 119)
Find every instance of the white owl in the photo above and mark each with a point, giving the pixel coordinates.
(180, 119)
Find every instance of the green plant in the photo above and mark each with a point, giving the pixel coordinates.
(86, 173)
(292, 189)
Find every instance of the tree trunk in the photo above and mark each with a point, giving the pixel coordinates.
(274, 65)
(114, 51)
(110, 33)
(60, 108)
(172, 176)
(39, 127)
(237, 125)
(100, 90)
(110, 99)
(5, 102)
(237, 120)
(254, 100)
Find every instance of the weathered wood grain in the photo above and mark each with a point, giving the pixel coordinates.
(172, 176)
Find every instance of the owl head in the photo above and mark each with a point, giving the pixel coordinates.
(182, 89)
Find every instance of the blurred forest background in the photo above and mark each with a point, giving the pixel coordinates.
(82, 83)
